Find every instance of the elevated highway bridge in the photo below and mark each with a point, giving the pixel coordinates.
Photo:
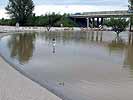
(94, 19)
(102, 14)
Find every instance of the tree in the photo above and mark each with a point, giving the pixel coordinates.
(20, 10)
(47, 20)
(118, 24)
(52, 20)
(66, 21)
(131, 11)
(130, 5)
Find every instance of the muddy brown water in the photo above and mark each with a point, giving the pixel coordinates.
(75, 65)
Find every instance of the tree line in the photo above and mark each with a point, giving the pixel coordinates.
(53, 20)
(21, 11)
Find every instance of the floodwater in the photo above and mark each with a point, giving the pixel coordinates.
(75, 66)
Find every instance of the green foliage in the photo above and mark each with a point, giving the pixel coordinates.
(48, 20)
(53, 20)
(118, 24)
(67, 22)
(20, 10)
(131, 11)
(10, 22)
(131, 4)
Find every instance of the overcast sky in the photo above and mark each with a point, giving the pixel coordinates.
(71, 6)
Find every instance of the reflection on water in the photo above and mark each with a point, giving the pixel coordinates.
(129, 59)
(130, 39)
(120, 45)
(22, 46)
(78, 66)
(54, 44)
(117, 45)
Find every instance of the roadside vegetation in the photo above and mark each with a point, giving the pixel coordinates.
(117, 24)
(21, 11)
(130, 6)
(48, 20)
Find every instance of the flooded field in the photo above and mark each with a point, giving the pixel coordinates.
(75, 66)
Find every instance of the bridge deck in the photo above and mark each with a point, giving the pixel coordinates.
(103, 14)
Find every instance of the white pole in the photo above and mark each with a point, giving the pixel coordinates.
(87, 22)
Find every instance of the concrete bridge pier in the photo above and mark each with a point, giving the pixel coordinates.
(94, 22)
(98, 22)
(102, 19)
(88, 22)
